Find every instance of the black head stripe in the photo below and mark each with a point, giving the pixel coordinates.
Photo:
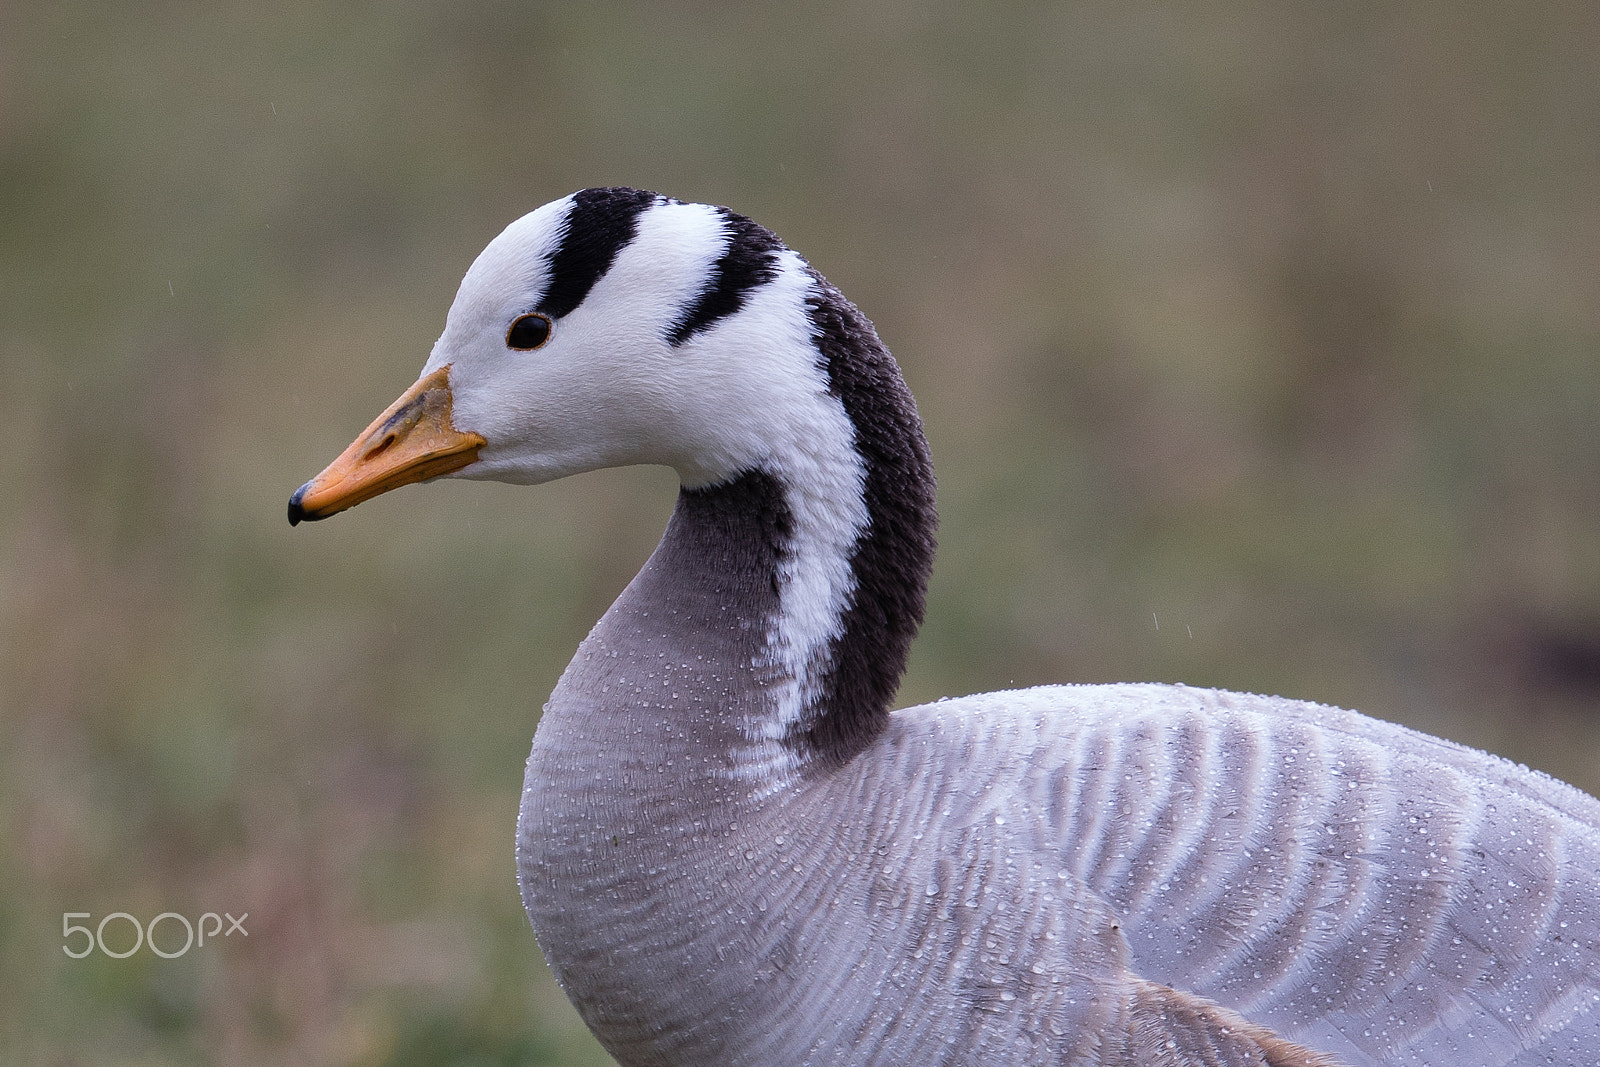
(749, 260)
(600, 223)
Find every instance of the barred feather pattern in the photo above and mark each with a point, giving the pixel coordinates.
(1141, 875)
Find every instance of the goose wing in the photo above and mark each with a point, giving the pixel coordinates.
(1342, 882)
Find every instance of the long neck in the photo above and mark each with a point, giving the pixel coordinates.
(765, 637)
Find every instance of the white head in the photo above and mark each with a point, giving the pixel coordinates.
(607, 328)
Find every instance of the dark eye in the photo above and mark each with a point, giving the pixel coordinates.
(528, 332)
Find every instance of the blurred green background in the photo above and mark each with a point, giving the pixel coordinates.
(1258, 344)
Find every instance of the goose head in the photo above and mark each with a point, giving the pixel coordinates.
(671, 333)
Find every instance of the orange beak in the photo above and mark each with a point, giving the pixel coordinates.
(411, 442)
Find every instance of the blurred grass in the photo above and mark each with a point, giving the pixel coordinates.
(1257, 344)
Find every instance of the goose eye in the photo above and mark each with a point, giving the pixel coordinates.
(528, 332)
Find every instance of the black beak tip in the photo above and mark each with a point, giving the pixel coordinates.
(297, 512)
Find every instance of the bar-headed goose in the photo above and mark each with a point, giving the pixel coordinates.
(733, 852)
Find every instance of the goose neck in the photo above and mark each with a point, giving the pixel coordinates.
(764, 639)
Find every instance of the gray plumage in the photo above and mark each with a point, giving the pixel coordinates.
(1063, 875)
(732, 853)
